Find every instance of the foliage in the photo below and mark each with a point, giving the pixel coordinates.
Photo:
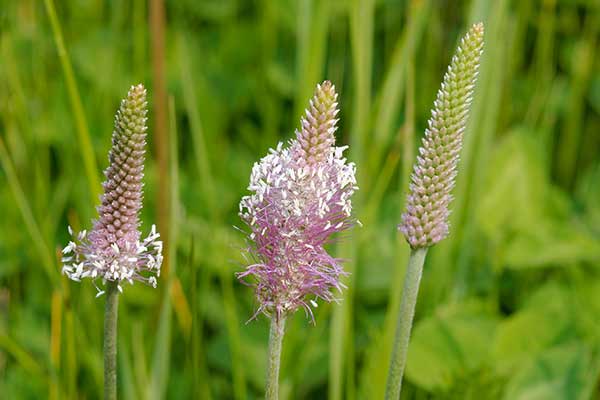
(509, 302)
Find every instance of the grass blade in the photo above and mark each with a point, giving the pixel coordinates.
(85, 143)
(30, 223)
(391, 91)
(160, 107)
(313, 26)
(162, 347)
(361, 34)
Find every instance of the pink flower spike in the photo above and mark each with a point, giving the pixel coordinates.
(301, 196)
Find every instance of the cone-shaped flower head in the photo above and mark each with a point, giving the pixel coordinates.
(316, 137)
(425, 221)
(300, 197)
(113, 250)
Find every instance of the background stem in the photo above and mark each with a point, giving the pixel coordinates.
(275, 341)
(110, 341)
(405, 320)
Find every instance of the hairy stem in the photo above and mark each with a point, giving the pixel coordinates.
(405, 320)
(110, 341)
(275, 341)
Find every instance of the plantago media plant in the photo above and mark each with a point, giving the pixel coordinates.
(113, 250)
(425, 221)
(301, 195)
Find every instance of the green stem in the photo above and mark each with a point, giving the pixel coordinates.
(275, 341)
(405, 320)
(110, 341)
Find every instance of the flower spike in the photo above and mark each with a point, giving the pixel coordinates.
(300, 197)
(113, 250)
(425, 221)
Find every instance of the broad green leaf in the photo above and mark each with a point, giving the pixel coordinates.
(544, 321)
(550, 244)
(449, 345)
(516, 186)
(565, 372)
(528, 217)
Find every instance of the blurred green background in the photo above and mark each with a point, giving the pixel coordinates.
(510, 302)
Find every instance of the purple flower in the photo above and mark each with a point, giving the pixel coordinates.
(300, 197)
(113, 250)
(425, 221)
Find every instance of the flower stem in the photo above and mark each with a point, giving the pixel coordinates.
(275, 341)
(110, 341)
(405, 320)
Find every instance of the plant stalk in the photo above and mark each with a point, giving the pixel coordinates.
(110, 341)
(275, 341)
(410, 292)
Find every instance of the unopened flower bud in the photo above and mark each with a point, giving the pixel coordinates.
(425, 221)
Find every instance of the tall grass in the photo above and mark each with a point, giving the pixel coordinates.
(525, 224)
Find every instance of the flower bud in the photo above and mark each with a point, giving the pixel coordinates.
(425, 221)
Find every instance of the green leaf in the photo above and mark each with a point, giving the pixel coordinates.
(449, 345)
(543, 322)
(551, 244)
(528, 217)
(516, 186)
(565, 372)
